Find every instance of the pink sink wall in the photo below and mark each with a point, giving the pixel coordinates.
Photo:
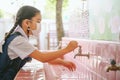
(93, 68)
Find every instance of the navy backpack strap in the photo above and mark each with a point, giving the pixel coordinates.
(5, 61)
(4, 58)
(8, 40)
(16, 64)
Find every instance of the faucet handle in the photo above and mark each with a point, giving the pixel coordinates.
(113, 62)
(113, 66)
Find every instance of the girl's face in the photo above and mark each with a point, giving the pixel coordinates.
(33, 24)
(34, 21)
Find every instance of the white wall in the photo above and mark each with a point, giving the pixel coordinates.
(5, 26)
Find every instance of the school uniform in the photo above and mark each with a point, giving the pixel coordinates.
(20, 46)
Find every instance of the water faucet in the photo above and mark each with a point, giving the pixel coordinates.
(80, 53)
(113, 66)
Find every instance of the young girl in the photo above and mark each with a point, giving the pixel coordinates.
(27, 19)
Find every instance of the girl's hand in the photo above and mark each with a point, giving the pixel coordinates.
(70, 65)
(71, 46)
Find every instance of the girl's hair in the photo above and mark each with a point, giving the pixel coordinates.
(25, 12)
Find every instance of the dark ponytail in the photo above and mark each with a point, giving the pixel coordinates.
(25, 12)
(8, 34)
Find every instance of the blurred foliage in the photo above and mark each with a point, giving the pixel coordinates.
(53, 2)
(50, 8)
(1, 13)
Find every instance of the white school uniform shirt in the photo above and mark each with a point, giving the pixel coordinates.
(20, 46)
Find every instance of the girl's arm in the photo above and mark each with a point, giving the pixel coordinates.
(68, 64)
(49, 56)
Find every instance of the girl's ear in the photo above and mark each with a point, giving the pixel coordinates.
(26, 22)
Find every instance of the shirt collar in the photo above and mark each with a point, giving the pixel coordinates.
(19, 29)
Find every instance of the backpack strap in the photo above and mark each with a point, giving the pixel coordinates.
(4, 55)
(8, 40)
(14, 65)
(5, 61)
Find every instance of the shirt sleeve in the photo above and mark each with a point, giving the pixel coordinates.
(20, 47)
